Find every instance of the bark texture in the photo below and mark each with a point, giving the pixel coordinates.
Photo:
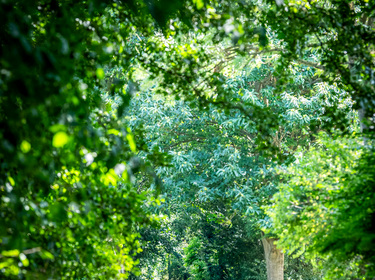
(274, 259)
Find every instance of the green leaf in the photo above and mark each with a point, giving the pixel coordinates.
(11, 253)
(100, 73)
(46, 255)
(199, 4)
(25, 146)
(60, 139)
(24, 260)
(130, 138)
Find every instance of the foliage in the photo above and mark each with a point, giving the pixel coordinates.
(220, 248)
(288, 30)
(71, 149)
(215, 161)
(326, 207)
(67, 205)
(215, 154)
(196, 260)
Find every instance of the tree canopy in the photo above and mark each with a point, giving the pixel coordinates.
(186, 129)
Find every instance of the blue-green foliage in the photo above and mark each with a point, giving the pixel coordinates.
(214, 154)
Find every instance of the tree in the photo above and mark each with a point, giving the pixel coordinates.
(326, 208)
(214, 154)
(340, 33)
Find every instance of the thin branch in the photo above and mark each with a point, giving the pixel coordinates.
(257, 51)
(311, 64)
(185, 141)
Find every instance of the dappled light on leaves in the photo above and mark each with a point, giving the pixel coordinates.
(166, 139)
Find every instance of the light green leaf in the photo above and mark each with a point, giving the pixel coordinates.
(100, 73)
(25, 146)
(131, 142)
(11, 253)
(199, 4)
(60, 139)
(24, 260)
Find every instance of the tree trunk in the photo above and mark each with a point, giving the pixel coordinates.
(169, 266)
(363, 119)
(274, 259)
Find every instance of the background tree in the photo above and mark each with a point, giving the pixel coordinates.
(214, 154)
(326, 208)
(337, 32)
